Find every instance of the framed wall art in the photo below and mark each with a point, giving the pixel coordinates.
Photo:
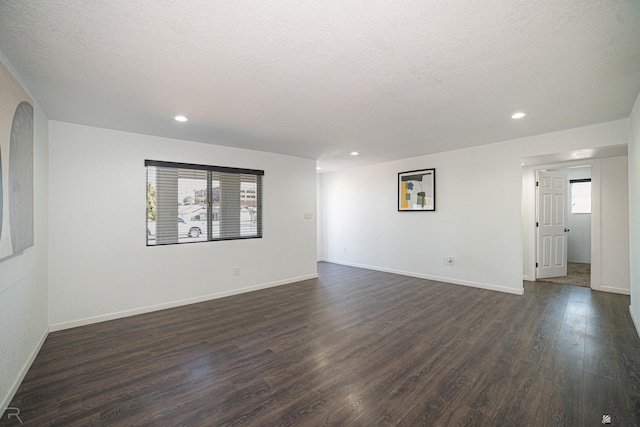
(417, 190)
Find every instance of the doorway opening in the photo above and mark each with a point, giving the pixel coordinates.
(577, 212)
(609, 214)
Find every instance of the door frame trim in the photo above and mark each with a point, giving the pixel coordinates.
(529, 215)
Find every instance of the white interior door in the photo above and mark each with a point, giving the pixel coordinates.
(552, 224)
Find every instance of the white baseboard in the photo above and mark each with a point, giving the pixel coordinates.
(636, 322)
(23, 372)
(141, 310)
(527, 278)
(613, 290)
(487, 286)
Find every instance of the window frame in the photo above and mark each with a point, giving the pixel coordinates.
(209, 199)
(571, 192)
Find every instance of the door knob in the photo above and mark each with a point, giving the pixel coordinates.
(566, 229)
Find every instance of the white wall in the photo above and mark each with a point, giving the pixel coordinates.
(100, 267)
(478, 218)
(580, 224)
(614, 246)
(319, 218)
(634, 212)
(23, 277)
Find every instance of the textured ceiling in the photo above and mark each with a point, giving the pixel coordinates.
(321, 78)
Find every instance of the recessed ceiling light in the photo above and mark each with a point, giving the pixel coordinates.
(518, 115)
(318, 168)
(354, 153)
(180, 118)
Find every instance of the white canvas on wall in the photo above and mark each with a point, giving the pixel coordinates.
(16, 166)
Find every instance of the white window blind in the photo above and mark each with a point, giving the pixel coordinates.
(193, 203)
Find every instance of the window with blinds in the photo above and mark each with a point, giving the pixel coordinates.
(194, 203)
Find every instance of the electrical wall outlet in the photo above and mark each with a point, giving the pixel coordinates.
(236, 271)
(448, 260)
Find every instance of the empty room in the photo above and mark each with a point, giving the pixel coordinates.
(355, 213)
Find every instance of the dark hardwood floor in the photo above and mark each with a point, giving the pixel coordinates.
(352, 348)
